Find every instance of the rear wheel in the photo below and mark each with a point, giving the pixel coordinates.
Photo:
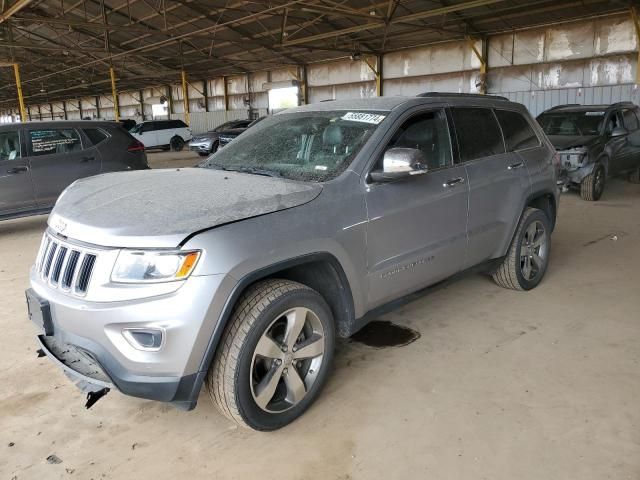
(275, 355)
(528, 256)
(592, 185)
(634, 176)
(176, 144)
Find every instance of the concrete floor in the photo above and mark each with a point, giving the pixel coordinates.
(501, 385)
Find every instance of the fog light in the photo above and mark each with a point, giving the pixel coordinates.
(144, 338)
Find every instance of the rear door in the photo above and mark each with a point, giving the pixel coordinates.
(16, 189)
(58, 157)
(148, 134)
(416, 231)
(497, 181)
(615, 146)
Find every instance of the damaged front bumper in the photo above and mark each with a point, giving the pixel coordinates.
(574, 166)
(79, 366)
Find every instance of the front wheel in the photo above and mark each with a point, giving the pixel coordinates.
(592, 185)
(275, 355)
(528, 256)
(176, 144)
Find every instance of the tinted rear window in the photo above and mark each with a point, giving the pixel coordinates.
(176, 124)
(95, 135)
(478, 133)
(517, 131)
(630, 120)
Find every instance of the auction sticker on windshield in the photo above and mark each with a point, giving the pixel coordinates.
(363, 117)
(594, 114)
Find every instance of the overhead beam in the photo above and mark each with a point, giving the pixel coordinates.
(13, 9)
(404, 19)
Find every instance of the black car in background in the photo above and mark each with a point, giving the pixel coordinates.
(39, 160)
(207, 143)
(593, 142)
(225, 136)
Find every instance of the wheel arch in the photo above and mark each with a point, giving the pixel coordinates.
(321, 271)
(546, 202)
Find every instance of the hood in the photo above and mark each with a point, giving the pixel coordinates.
(205, 136)
(159, 208)
(564, 142)
(232, 131)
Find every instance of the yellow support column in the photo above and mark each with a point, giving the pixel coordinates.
(185, 97)
(23, 110)
(483, 62)
(116, 110)
(377, 71)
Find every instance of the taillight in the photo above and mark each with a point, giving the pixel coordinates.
(136, 146)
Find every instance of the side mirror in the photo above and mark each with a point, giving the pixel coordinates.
(398, 163)
(619, 132)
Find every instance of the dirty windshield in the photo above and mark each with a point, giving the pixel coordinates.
(309, 146)
(572, 123)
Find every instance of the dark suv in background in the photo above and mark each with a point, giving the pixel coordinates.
(593, 142)
(39, 160)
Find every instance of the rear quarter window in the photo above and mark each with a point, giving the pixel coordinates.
(96, 135)
(478, 133)
(518, 134)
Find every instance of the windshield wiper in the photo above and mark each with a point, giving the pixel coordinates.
(253, 171)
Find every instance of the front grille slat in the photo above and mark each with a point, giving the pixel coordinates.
(70, 269)
(65, 266)
(86, 268)
(50, 255)
(57, 267)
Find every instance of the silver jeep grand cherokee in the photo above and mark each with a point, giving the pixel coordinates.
(241, 273)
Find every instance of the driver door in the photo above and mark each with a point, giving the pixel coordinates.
(416, 230)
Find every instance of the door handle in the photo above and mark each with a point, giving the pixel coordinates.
(18, 170)
(513, 166)
(453, 182)
(87, 159)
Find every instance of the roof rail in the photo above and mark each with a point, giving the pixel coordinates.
(556, 107)
(461, 95)
(626, 103)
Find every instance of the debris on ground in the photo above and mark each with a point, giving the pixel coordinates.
(53, 459)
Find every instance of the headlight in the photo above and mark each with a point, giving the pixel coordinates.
(153, 266)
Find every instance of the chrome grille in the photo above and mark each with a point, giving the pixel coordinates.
(65, 266)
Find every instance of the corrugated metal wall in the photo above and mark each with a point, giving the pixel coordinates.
(538, 101)
(588, 61)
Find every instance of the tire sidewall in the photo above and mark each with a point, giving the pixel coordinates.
(534, 216)
(176, 144)
(594, 192)
(251, 413)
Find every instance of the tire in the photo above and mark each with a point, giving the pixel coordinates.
(238, 380)
(214, 148)
(203, 154)
(519, 269)
(592, 185)
(634, 176)
(176, 144)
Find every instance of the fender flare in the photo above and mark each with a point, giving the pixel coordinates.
(188, 392)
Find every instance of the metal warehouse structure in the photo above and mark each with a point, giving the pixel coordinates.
(213, 60)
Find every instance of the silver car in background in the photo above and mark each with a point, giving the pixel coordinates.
(204, 144)
(240, 274)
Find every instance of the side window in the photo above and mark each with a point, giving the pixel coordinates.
(614, 121)
(9, 145)
(478, 133)
(177, 124)
(52, 141)
(95, 135)
(427, 132)
(517, 131)
(630, 120)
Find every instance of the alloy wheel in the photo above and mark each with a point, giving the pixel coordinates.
(533, 251)
(287, 360)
